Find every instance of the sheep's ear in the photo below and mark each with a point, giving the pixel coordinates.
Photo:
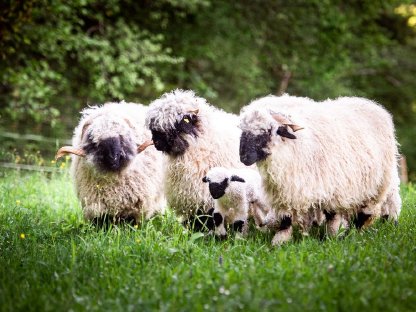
(280, 118)
(205, 179)
(235, 178)
(282, 131)
(85, 127)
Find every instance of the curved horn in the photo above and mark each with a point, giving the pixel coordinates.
(143, 146)
(69, 150)
(285, 121)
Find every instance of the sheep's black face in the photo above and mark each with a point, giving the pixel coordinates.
(112, 154)
(217, 190)
(173, 141)
(252, 147)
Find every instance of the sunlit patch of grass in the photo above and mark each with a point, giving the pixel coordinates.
(51, 259)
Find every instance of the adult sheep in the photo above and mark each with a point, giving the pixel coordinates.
(111, 180)
(196, 137)
(337, 156)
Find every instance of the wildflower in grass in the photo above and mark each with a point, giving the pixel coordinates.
(136, 226)
(62, 166)
(22, 235)
(138, 241)
(224, 291)
(53, 161)
(17, 202)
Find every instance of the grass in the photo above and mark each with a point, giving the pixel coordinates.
(51, 259)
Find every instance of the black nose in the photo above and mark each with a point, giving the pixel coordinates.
(109, 154)
(252, 147)
(248, 158)
(161, 141)
(159, 145)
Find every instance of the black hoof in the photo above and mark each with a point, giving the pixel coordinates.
(238, 225)
(361, 219)
(221, 237)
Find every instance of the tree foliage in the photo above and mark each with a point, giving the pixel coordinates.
(58, 56)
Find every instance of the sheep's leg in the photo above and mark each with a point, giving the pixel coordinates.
(284, 232)
(392, 206)
(363, 220)
(374, 208)
(335, 222)
(270, 221)
(103, 221)
(258, 213)
(241, 226)
(219, 225)
(201, 221)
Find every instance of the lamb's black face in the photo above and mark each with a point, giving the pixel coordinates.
(252, 147)
(110, 155)
(217, 190)
(173, 141)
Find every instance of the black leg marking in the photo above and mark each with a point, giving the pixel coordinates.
(285, 223)
(217, 219)
(221, 237)
(238, 225)
(329, 215)
(210, 221)
(361, 219)
(202, 221)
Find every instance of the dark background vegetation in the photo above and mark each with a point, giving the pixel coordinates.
(56, 57)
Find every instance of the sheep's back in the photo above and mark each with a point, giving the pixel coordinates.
(339, 160)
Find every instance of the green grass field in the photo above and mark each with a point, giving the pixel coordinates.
(52, 260)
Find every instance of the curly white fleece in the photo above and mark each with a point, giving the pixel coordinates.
(216, 145)
(344, 160)
(136, 191)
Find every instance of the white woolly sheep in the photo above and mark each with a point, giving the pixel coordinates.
(196, 137)
(342, 160)
(111, 180)
(237, 194)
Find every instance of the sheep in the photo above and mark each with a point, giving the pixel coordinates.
(112, 181)
(195, 136)
(237, 193)
(336, 156)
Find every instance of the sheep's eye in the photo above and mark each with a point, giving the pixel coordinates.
(186, 119)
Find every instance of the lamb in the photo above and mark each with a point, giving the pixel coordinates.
(112, 181)
(338, 157)
(237, 193)
(195, 136)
